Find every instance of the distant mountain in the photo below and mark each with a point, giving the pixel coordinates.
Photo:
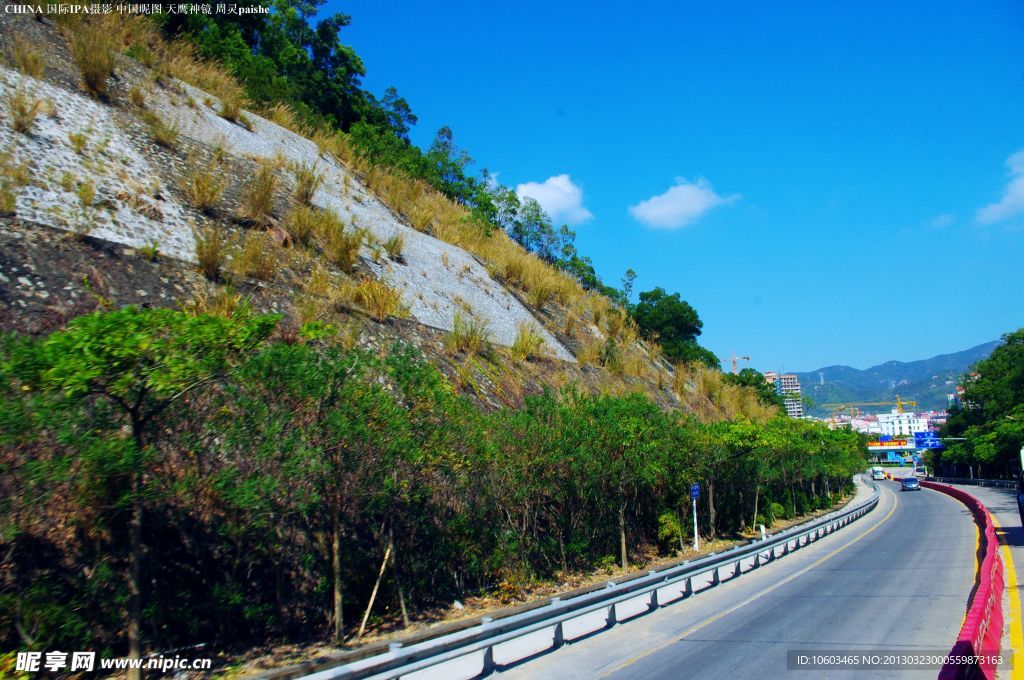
(927, 381)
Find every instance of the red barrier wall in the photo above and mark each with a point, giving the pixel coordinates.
(982, 629)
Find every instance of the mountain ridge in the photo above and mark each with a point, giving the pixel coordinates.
(926, 381)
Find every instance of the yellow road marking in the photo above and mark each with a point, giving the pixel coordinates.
(744, 603)
(1013, 615)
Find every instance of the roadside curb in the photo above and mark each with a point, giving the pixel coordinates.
(982, 630)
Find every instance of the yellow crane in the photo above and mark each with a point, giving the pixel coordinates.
(736, 359)
(854, 406)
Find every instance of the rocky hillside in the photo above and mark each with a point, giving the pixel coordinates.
(150, 190)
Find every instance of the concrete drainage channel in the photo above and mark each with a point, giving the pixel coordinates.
(482, 649)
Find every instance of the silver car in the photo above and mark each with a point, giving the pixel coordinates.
(910, 484)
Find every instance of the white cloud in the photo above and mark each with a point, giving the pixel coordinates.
(1012, 202)
(942, 221)
(560, 197)
(680, 205)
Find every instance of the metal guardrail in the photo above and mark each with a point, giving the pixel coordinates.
(995, 483)
(562, 621)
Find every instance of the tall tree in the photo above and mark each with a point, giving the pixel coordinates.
(674, 323)
(140, 362)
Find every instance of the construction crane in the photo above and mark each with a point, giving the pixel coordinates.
(899, 404)
(736, 359)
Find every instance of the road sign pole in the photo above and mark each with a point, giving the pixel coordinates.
(696, 538)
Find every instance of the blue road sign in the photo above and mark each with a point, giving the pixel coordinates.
(927, 440)
(695, 491)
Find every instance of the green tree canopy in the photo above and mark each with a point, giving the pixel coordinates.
(991, 419)
(674, 323)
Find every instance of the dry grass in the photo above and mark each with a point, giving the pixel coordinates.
(614, 322)
(213, 246)
(301, 223)
(590, 353)
(12, 176)
(539, 294)
(378, 299)
(26, 58)
(79, 141)
(327, 142)
(86, 193)
(137, 96)
(633, 362)
(706, 394)
(163, 132)
(257, 257)
(428, 210)
(307, 182)
(529, 342)
(231, 105)
(150, 251)
(340, 244)
(203, 186)
(225, 303)
(469, 335)
(23, 109)
(258, 197)
(178, 59)
(94, 49)
(8, 200)
(394, 246)
(285, 116)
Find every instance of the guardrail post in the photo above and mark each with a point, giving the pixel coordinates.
(610, 620)
(736, 572)
(489, 665)
(688, 590)
(715, 580)
(757, 561)
(653, 604)
(559, 636)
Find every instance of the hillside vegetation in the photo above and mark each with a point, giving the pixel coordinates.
(990, 420)
(257, 366)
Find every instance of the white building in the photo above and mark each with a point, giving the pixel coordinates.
(788, 386)
(898, 424)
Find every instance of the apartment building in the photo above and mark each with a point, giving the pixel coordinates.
(787, 385)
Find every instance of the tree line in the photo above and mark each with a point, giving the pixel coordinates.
(169, 479)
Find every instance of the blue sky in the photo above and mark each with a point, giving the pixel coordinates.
(825, 182)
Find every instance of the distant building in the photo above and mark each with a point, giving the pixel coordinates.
(898, 424)
(866, 423)
(787, 385)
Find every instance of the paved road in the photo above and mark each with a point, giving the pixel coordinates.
(1002, 504)
(898, 579)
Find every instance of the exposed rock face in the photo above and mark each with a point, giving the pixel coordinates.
(132, 195)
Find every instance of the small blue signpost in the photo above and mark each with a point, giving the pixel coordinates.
(695, 494)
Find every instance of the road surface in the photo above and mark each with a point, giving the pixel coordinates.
(896, 580)
(1002, 504)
